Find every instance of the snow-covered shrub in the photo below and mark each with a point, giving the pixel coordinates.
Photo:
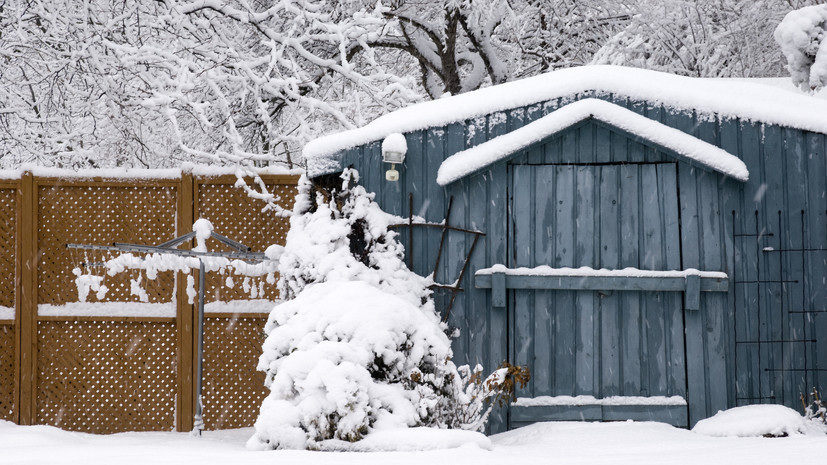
(341, 359)
(358, 346)
(815, 408)
(802, 36)
(338, 233)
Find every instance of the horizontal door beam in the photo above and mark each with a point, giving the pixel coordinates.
(691, 284)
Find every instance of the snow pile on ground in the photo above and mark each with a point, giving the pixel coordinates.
(614, 443)
(758, 420)
(802, 36)
(414, 439)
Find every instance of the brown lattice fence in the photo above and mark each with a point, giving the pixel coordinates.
(8, 335)
(130, 366)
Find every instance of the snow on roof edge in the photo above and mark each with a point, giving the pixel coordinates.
(469, 161)
(726, 98)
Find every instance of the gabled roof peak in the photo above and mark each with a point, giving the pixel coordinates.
(503, 147)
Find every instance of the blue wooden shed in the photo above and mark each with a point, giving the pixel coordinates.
(655, 248)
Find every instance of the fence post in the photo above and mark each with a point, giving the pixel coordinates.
(185, 314)
(27, 263)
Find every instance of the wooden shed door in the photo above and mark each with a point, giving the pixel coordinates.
(599, 345)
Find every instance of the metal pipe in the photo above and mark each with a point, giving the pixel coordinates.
(178, 240)
(120, 247)
(198, 421)
(230, 243)
(434, 225)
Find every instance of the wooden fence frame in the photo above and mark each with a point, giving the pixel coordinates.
(26, 284)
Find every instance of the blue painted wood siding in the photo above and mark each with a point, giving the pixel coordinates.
(764, 341)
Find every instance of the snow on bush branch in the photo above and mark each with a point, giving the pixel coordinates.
(359, 346)
(802, 36)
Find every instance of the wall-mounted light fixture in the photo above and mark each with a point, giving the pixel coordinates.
(394, 148)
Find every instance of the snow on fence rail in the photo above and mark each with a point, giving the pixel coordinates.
(126, 362)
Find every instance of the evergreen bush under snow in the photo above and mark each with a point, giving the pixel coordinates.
(358, 346)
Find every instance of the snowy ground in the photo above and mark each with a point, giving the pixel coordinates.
(545, 443)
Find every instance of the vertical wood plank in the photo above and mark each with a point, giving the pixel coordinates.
(691, 236)
(803, 233)
(796, 184)
(628, 245)
(754, 223)
(456, 247)
(28, 265)
(420, 143)
(434, 193)
(585, 140)
(587, 303)
(570, 364)
(613, 321)
(493, 195)
(526, 192)
(636, 152)
(650, 256)
(772, 308)
(545, 340)
(371, 172)
(21, 216)
(727, 133)
(186, 316)
(470, 318)
(715, 190)
(602, 149)
(619, 147)
(816, 323)
(673, 311)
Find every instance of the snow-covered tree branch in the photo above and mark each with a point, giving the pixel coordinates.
(802, 36)
(156, 83)
(703, 38)
(103, 83)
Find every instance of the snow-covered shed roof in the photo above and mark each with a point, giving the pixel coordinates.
(472, 160)
(726, 98)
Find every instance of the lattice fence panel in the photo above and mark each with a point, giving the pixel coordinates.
(8, 238)
(237, 216)
(105, 376)
(233, 389)
(8, 223)
(101, 215)
(6, 372)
